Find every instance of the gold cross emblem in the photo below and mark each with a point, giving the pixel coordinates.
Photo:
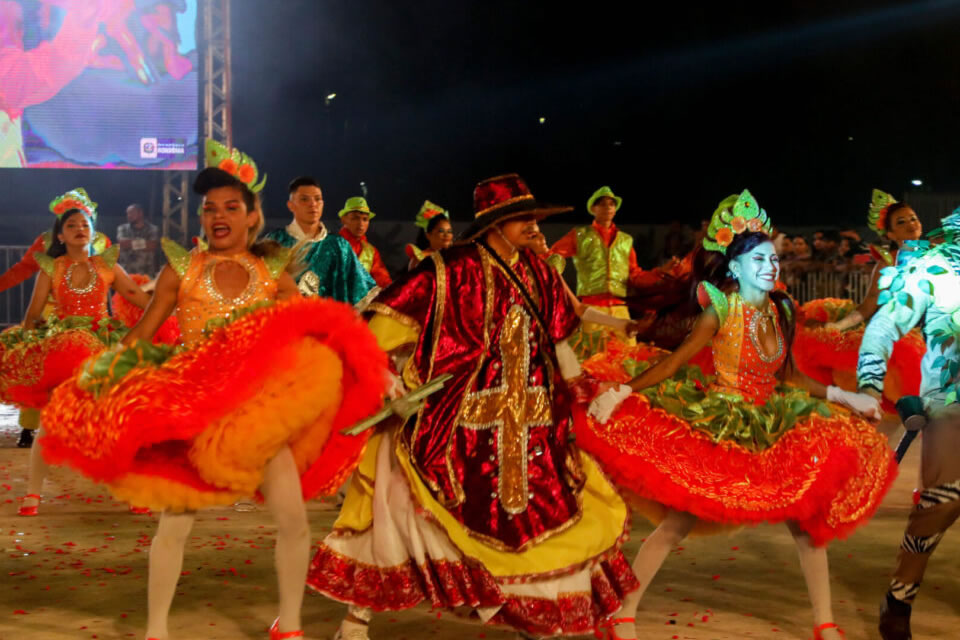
(511, 408)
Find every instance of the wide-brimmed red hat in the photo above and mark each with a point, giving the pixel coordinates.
(502, 198)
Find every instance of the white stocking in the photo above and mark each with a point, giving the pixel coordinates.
(37, 471)
(166, 562)
(283, 495)
(816, 572)
(653, 552)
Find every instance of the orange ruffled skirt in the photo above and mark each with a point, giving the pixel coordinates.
(199, 429)
(830, 356)
(829, 474)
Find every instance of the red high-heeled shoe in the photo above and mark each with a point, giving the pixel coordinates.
(827, 625)
(276, 635)
(611, 634)
(29, 511)
(600, 629)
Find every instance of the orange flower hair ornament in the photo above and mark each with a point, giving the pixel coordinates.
(735, 215)
(236, 163)
(74, 199)
(880, 202)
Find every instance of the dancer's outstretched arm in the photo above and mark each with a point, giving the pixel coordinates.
(41, 292)
(130, 290)
(700, 336)
(161, 305)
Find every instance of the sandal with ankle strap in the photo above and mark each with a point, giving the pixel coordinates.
(275, 633)
(31, 510)
(823, 627)
(611, 634)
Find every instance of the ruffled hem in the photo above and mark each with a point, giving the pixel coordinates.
(291, 367)
(449, 585)
(60, 357)
(830, 356)
(827, 474)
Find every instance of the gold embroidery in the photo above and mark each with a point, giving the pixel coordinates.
(512, 409)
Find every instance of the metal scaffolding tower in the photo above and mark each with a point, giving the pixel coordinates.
(213, 44)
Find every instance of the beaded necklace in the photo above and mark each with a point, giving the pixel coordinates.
(68, 276)
(753, 328)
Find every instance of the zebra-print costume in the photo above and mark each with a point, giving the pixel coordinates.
(941, 494)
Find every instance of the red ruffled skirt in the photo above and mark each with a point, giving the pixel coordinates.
(830, 356)
(197, 428)
(37, 361)
(827, 473)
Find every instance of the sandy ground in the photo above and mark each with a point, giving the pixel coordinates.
(79, 571)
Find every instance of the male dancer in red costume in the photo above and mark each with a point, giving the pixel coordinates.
(480, 500)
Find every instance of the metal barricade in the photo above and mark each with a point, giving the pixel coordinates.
(14, 301)
(816, 284)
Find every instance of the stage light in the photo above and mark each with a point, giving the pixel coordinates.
(542, 120)
(917, 182)
(331, 96)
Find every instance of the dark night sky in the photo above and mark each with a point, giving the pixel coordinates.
(675, 107)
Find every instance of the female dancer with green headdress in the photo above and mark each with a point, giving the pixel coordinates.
(697, 453)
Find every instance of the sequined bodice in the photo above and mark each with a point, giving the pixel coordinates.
(199, 300)
(742, 367)
(88, 300)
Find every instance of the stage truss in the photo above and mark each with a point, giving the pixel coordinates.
(214, 47)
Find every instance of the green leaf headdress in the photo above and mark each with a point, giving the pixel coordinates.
(74, 199)
(735, 215)
(429, 211)
(236, 163)
(880, 203)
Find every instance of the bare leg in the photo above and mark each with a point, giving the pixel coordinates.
(816, 572)
(37, 471)
(665, 537)
(281, 489)
(166, 562)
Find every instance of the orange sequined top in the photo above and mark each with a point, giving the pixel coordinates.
(742, 367)
(89, 300)
(199, 300)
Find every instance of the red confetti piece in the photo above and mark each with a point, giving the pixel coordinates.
(19, 612)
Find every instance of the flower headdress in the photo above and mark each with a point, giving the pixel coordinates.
(236, 163)
(74, 199)
(729, 221)
(429, 211)
(880, 203)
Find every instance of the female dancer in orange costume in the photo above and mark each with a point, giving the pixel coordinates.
(702, 453)
(40, 359)
(831, 330)
(229, 413)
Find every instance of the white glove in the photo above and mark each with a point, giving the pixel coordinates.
(607, 402)
(394, 385)
(599, 317)
(864, 404)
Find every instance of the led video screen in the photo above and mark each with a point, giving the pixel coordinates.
(98, 84)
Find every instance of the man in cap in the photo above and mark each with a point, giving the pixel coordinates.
(606, 265)
(355, 218)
